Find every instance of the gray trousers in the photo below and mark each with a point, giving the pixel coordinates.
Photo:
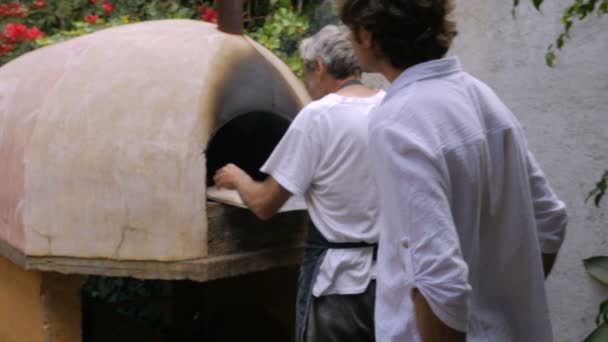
(342, 318)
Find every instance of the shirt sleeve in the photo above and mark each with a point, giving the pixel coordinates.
(549, 211)
(294, 160)
(415, 195)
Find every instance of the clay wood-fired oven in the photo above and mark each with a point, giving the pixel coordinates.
(108, 143)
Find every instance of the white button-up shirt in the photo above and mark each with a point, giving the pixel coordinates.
(465, 210)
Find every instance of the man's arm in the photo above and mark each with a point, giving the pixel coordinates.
(263, 198)
(549, 213)
(431, 328)
(416, 205)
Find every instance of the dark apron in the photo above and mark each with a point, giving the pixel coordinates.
(316, 248)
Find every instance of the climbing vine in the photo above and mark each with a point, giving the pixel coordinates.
(577, 11)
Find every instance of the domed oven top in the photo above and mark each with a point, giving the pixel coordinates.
(102, 138)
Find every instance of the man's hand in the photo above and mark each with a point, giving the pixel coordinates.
(263, 198)
(229, 177)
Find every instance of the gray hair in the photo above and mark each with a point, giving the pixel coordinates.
(335, 50)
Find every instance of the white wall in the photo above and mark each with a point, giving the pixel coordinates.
(565, 112)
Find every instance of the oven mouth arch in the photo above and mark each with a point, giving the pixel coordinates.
(247, 141)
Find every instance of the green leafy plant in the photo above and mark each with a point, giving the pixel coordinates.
(276, 24)
(597, 267)
(131, 297)
(59, 20)
(79, 28)
(281, 33)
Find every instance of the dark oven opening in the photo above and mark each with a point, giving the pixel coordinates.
(246, 141)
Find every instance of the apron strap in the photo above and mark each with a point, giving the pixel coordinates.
(316, 239)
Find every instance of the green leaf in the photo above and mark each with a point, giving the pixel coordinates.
(537, 3)
(602, 316)
(597, 267)
(560, 41)
(550, 57)
(566, 20)
(601, 187)
(598, 335)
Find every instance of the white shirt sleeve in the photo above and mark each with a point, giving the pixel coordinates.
(416, 196)
(294, 160)
(549, 211)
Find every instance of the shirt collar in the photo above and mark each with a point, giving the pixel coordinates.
(430, 69)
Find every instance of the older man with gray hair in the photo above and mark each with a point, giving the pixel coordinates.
(323, 157)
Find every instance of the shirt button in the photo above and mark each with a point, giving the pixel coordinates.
(406, 244)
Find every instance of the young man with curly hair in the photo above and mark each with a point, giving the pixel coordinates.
(468, 220)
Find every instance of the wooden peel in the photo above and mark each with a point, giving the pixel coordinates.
(232, 197)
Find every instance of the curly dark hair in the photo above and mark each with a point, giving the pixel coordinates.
(405, 32)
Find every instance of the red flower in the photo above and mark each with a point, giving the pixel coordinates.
(6, 48)
(210, 15)
(13, 10)
(16, 10)
(91, 18)
(34, 33)
(16, 32)
(108, 7)
(39, 3)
